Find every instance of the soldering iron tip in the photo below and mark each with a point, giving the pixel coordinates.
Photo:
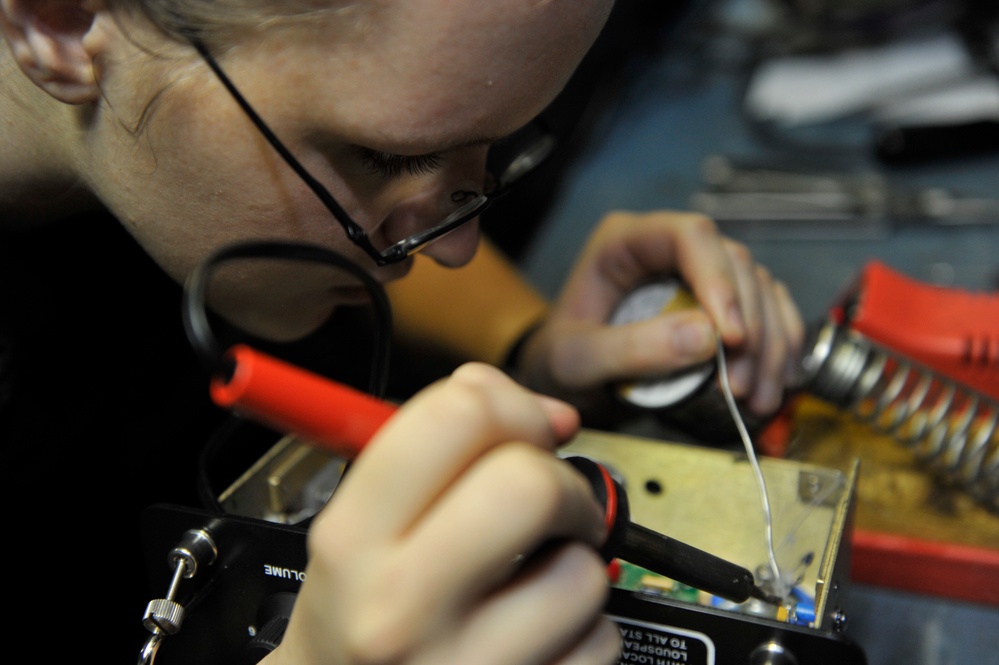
(760, 594)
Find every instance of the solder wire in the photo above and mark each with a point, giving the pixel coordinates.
(754, 462)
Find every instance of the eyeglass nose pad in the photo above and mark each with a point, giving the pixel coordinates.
(462, 196)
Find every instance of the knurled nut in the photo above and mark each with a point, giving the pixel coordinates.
(163, 615)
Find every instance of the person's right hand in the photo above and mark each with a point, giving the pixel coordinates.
(458, 537)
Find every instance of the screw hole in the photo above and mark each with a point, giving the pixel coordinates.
(653, 487)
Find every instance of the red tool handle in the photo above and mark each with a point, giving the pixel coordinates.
(335, 417)
(339, 418)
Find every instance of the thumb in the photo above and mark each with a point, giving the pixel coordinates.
(637, 350)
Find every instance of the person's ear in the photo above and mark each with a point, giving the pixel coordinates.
(46, 39)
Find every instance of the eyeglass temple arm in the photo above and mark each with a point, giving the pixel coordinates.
(354, 231)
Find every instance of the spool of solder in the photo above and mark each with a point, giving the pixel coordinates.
(690, 399)
(645, 302)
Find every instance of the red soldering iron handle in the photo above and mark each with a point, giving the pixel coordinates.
(333, 416)
(341, 420)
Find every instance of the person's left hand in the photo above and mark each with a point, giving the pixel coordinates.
(576, 354)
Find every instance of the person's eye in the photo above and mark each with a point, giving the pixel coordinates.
(388, 165)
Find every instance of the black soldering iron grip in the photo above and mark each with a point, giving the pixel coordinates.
(611, 497)
(657, 552)
(686, 564)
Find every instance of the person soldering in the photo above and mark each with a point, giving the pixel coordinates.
(142, 112)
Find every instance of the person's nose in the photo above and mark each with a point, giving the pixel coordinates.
(440, 195)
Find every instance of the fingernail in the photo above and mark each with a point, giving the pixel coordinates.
(694, 338)
(563, 418)
(767, 397)
(739, 376)
(735, 322)
(792, 373)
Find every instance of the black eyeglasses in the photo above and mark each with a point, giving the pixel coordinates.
(539, 145)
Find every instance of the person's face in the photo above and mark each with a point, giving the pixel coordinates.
(393, 115)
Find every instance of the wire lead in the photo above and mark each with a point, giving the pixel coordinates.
(754, 462)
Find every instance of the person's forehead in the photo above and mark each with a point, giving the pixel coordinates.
(438, 81)
(465, 73)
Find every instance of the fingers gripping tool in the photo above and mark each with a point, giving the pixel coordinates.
(341, 420)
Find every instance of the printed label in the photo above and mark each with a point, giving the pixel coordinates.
(286, 573)
(656, 644)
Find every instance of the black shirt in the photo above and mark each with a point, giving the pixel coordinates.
(103, 411)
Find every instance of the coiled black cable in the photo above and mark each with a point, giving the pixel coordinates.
(197, 326)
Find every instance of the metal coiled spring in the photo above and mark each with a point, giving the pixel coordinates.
(951, 428)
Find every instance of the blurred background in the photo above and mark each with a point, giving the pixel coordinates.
(823, 134)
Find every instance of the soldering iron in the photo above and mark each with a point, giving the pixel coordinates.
(249, 549)
(341, 420)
